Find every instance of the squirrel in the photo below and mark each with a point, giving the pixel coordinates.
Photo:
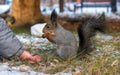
(65, 39)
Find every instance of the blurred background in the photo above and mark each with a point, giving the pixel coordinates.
(36, 11)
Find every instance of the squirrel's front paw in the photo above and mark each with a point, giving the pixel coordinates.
(43, 36)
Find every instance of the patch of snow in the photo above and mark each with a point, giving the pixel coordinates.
(31, 41)
(104, 37)
(35, 38)
(5, 69)
(4, 8)
(36, 30)
(113, 16)
(24, 38)
(69, 10)
(63, 74)
(4, 66)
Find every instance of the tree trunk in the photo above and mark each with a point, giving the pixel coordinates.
(113, 6)
(61, 5)
(26, 12)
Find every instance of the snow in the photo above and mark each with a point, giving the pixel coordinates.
(90, 10)
(36, 30)
(4, 8)
(5, 69)
(35, 38)
(104, 37)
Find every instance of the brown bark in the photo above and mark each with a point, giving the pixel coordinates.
(26, 12)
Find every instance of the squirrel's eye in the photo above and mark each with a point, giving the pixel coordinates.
(48, 27)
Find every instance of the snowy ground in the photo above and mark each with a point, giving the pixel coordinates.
(5, 69)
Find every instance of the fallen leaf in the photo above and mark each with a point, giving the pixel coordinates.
(52, 64)
(77, 73)
(22, 69)
(115, 62)
(5, 60)
(56, 61)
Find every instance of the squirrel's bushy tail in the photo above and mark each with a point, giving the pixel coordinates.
(87, 30)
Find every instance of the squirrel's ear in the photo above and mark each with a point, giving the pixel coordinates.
(102, 17)
(54, 18)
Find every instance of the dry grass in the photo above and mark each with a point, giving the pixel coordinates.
(104, 60)
(99, 62)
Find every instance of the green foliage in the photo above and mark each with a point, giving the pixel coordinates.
(21, 30)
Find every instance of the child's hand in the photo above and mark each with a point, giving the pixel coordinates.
(31, 59)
